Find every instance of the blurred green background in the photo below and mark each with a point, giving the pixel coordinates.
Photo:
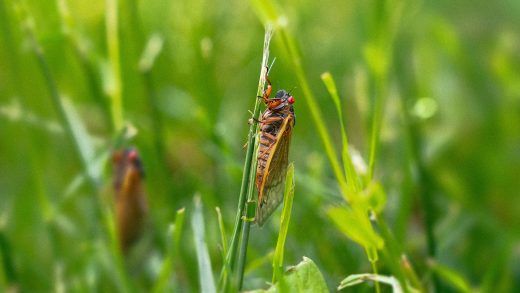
(449, 142)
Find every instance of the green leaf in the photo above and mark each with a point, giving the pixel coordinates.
(207, 283)
(356, 226)
(373, 197)
(302, 278)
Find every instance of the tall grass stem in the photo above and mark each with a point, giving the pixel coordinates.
(251, 141)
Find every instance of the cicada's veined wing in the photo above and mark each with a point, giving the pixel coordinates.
(271, 189)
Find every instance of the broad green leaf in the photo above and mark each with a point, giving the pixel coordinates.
(305, 277)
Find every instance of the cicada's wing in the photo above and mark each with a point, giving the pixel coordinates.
(270, 193)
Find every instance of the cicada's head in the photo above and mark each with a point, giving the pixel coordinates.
(281, 100)
(126, 162)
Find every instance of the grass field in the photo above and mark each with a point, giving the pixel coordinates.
(406, 148)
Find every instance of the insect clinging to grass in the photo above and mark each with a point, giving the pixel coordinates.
(131, 201)
(276, 127)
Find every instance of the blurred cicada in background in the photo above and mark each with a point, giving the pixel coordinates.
(276, 127)
(131, 201)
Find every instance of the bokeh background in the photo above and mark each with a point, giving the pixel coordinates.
(449, 141)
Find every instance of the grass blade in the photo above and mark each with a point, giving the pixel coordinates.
(207, 283)
(222, 232)
(348, 166)
(114, 88)
(284, 226)
(174, 232)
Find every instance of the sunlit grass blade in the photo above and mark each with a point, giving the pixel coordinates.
(284, 226)
(174, 235)
(348, 166)
(114, 87)
(206, 280)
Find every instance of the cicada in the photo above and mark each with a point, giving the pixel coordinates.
(276, 127)
(131, 201)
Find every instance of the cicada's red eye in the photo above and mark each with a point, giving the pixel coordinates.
(132, 155)
(290, 100)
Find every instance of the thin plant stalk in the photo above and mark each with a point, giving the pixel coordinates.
(247, 222)
(114, 88)
(153, 49)
(239, 223)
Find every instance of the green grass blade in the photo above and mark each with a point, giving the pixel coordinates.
(174, 233)
(284, 226)
(348, 166)
(114, 88)
(206, 280)
(222, 231)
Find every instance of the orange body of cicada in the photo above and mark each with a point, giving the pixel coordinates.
(276, 127)
(131, 201)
